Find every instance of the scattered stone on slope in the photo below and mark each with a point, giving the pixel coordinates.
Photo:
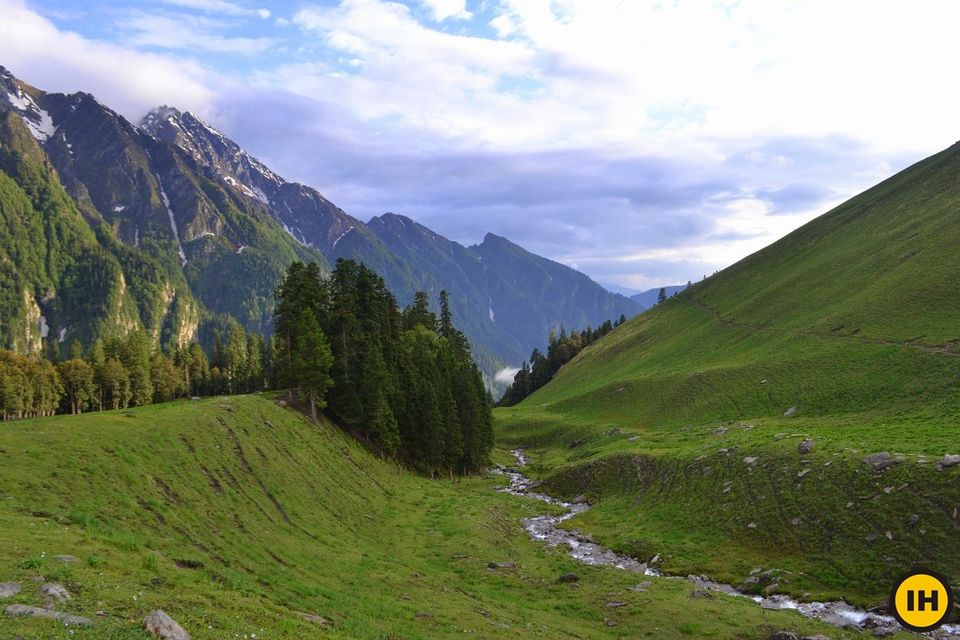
(802, 473)
(66, 558)
(9, 589)
(159, 624)
(616, 605)
(783, 635)
(423, 615)
(315, 619)
(750, 460)
(568, 578)
(880, 461)
(501, 565)
(806, 446)
(68, 619)
(55, 591)
(789, 412)
(949, 460)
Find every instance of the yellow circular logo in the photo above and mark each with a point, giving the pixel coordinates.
(921, 600)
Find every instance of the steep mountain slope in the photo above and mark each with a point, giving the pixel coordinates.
(532, 294)
(188, 248)
(649, 297)
(845, 332)
(56, 278)
(238, 518)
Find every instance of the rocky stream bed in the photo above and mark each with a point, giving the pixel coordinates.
(547, 529)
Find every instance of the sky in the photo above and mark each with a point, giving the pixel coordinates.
(643, 143)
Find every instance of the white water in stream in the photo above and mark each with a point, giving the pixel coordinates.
(546, 528)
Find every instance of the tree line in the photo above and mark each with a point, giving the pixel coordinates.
(561, 349)
(401, 379)
(128, 371)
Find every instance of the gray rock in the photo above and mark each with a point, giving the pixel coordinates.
(315, 619)
(770, 605)
(65, 558)
(752, 525)
(783, 635)
(68, 619)
(568, 578)
(750, 460)
(501, 565)
(789, 412)
(423, 615)
(797, 521)
(949, 460)
(159, 624)
(616, 605)
(802, 473)
(880, 460)
(771, 588)
(55, 591)
(816, 637)
(581, 499)
(806, 446)
(9, 589)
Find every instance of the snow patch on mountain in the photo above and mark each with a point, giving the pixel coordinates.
(342, 236)
(173, 222)
(37, 120)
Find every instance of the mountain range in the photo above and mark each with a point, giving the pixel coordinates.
(172, 227)
(649, 297)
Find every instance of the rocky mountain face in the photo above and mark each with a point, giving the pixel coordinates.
(184, 229)
(131, 232)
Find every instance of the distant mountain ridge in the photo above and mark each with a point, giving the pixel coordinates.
(197, 232)
(648, 298)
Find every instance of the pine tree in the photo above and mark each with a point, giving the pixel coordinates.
(311, 361)
(662, 295)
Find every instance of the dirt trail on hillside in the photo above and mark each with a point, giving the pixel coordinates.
(719, 318)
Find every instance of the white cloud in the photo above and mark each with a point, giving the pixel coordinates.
(263, 13)
(444, 9)
(129, 81)
(505, 376)
(222, 7)
(188, 33)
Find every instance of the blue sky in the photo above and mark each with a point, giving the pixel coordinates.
(645, 143)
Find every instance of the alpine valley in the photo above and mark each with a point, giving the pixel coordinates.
(171, 227)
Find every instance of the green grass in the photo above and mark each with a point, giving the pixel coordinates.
(854, 319)
(233, 515)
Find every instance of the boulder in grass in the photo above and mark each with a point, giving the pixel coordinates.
(159, 624)
(9, 589)
(68, 619)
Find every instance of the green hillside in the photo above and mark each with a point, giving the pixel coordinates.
(236, 516)
(850, 326)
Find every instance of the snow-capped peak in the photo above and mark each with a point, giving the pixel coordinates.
(37, 120)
